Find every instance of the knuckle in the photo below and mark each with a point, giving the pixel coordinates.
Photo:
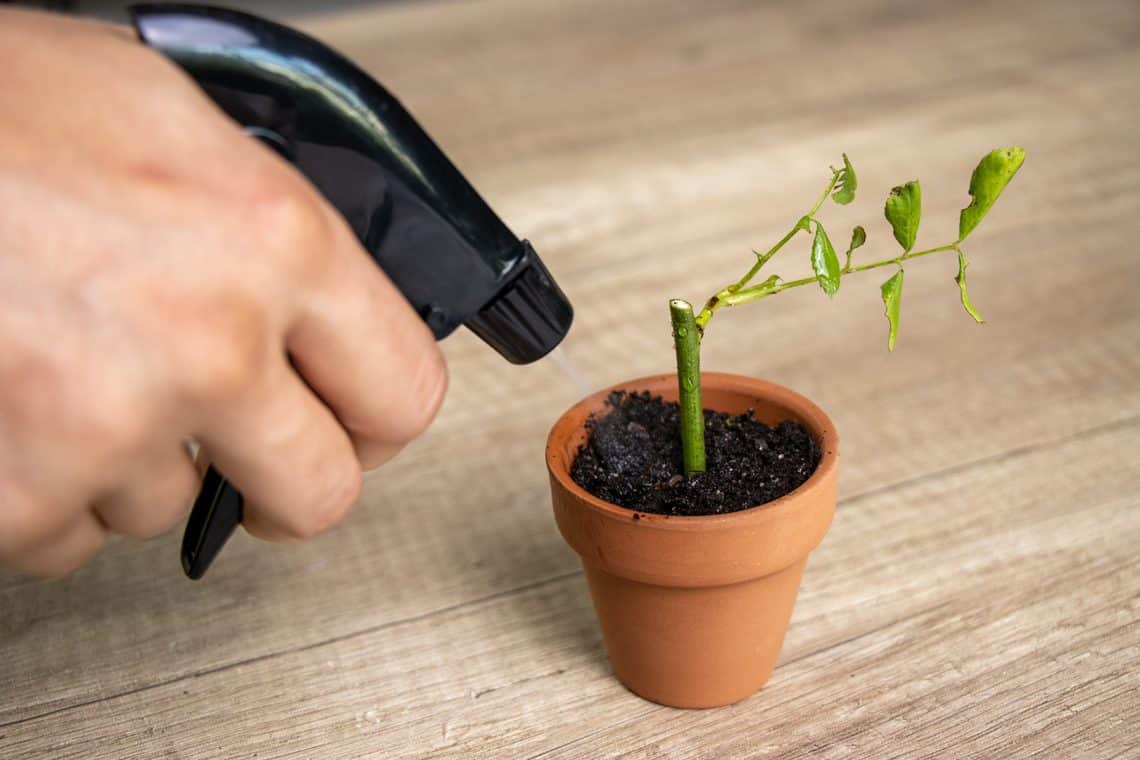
(116, 424)
(332, 502)
(167, 501)
(288, 222)
(231, 368)
(426, 391)
(85, 406)
(223, 349)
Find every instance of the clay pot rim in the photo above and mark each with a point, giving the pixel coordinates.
(808, 412)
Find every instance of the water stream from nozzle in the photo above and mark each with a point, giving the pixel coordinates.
(581, 383)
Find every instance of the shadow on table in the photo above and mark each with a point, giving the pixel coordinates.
(550, 601)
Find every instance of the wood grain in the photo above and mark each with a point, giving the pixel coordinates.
(979, 594)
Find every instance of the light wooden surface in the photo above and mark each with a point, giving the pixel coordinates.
(979, 593)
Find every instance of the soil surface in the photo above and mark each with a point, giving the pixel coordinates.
(632, 458)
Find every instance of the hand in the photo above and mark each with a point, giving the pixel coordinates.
(165, 278)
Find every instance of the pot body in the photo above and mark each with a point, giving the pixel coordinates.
(693, 610)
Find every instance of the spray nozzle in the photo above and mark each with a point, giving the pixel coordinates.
(528, 318)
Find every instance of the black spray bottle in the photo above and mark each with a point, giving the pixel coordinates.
(416, 215)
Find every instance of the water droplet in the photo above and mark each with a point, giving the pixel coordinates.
(582, 383)
(682, 332)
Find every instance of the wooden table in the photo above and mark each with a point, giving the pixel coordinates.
(979, 592)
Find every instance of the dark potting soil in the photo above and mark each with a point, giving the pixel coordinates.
(632, 458)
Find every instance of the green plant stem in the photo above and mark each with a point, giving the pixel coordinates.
(722, 297)
(763, 291)
(905, 257)
(826, 192)
(762, 259)
(687, 341)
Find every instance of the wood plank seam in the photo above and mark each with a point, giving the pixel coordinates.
(652, 708)
(1007, 455)
(934, 610)
(462, 606)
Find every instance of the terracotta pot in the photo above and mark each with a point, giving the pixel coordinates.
(693, 610)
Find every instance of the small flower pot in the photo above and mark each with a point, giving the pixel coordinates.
(693, 610)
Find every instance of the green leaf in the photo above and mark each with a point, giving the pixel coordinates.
(990, 177)
(846, 184)
(892, 295)
(961, 280)
(824, 262)
(904, 210)
(858, 238)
